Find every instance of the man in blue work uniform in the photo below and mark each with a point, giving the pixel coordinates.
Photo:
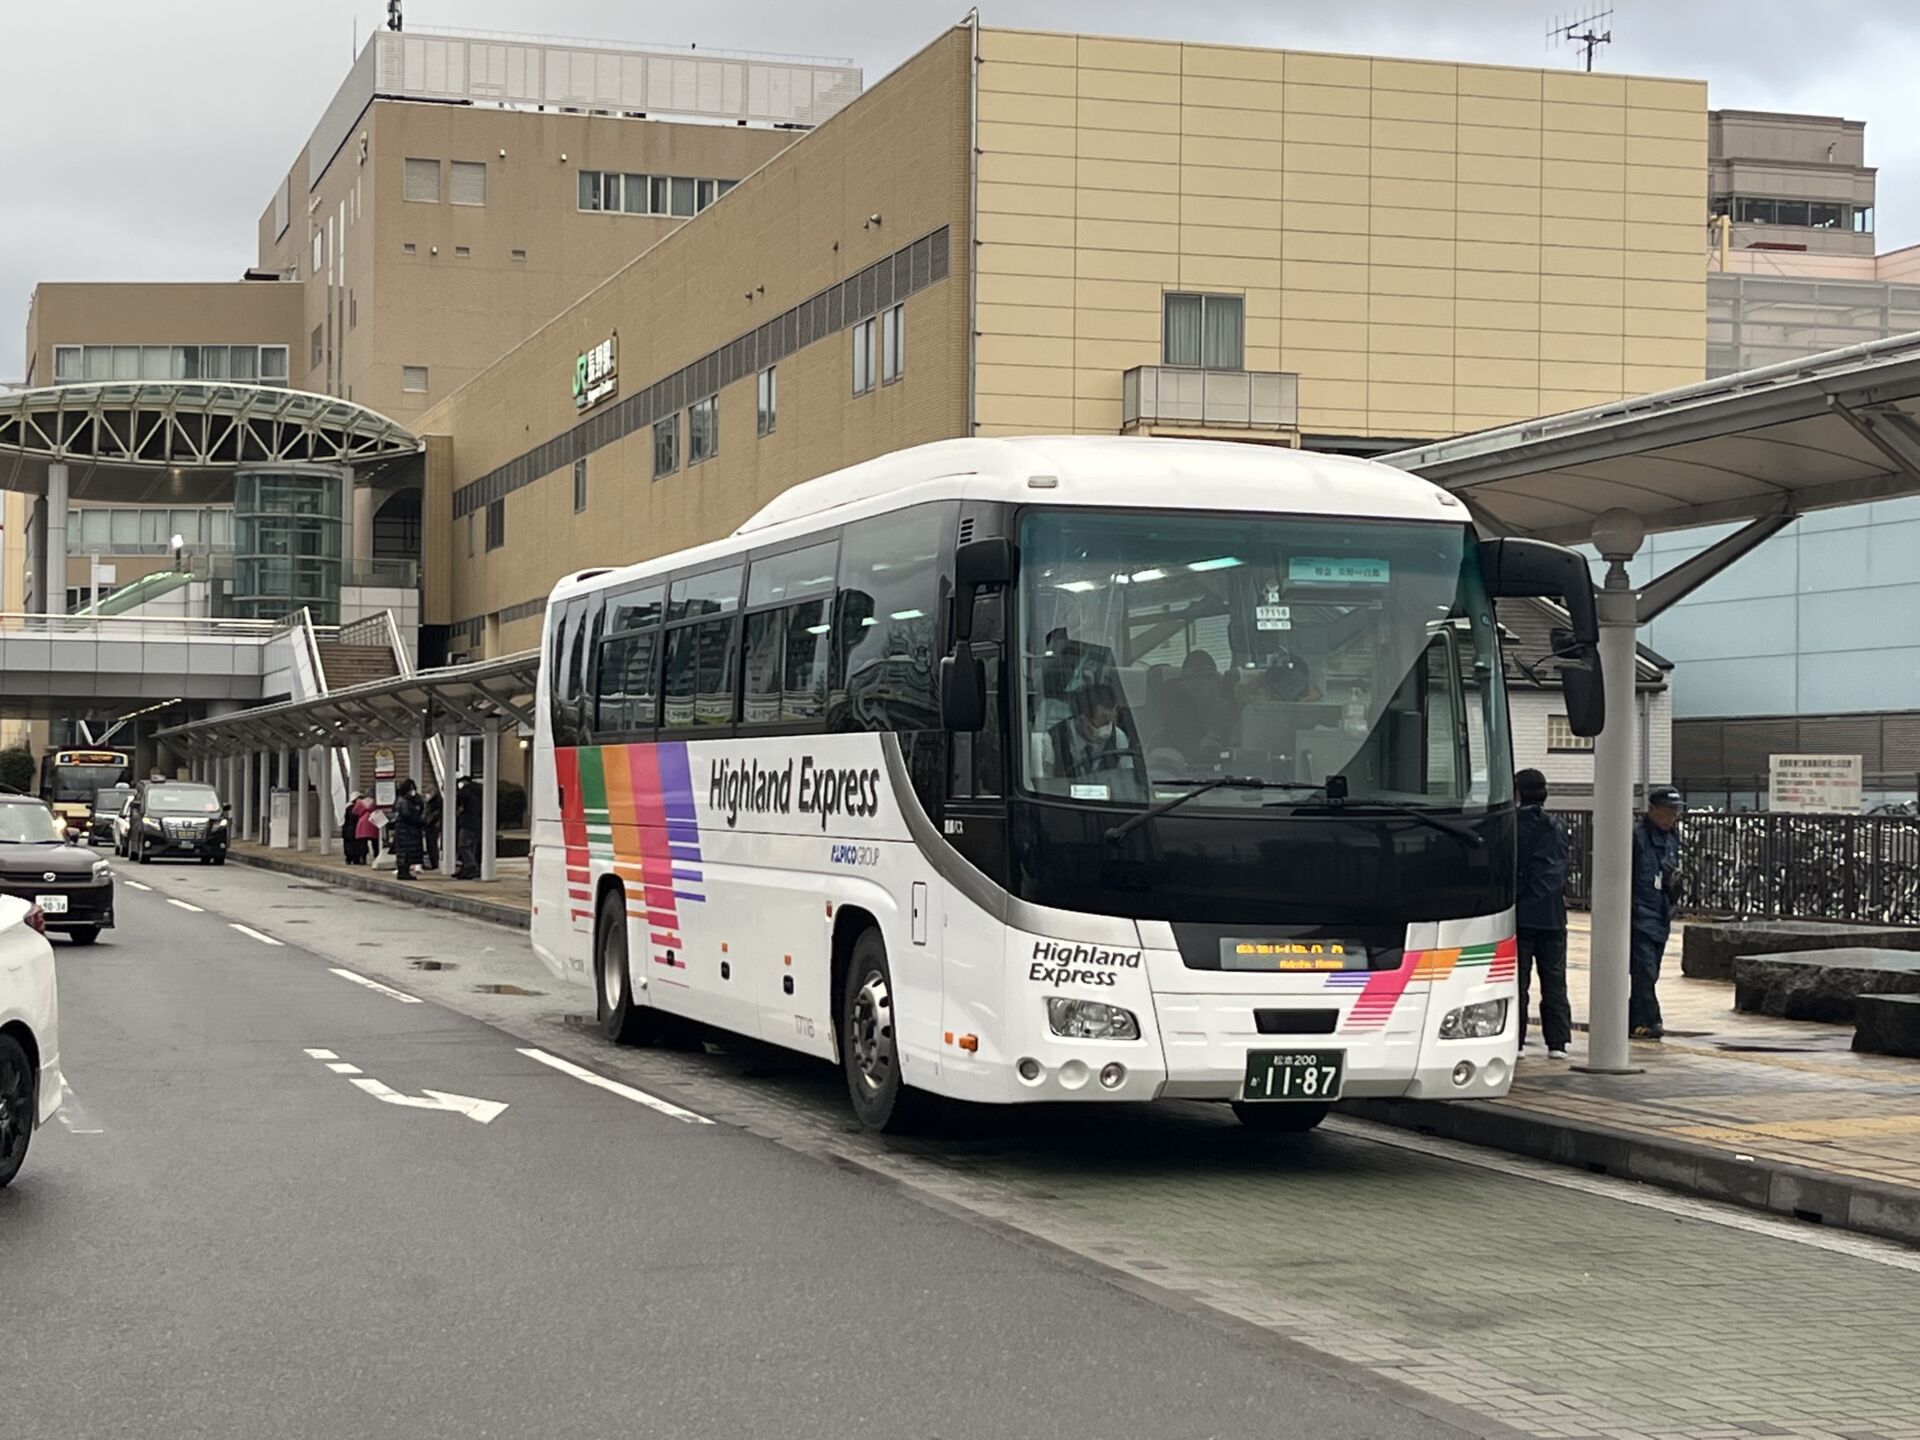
(1656, 885)
(1540, 913)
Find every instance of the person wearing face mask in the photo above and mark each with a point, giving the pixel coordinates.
(1089, 743)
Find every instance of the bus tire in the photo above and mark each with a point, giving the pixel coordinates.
(1270, 1119)
(882, 1100)
(621, 1020)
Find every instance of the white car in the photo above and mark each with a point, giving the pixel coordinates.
(31, 1087)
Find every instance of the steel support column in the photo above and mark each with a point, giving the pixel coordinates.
(302, 762)
(490, 801)
(449, 806)
(1614, 755)
(323, 794)
(55, 585)
(263, 821)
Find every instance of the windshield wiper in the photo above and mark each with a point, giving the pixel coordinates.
(1468, 837)
(1126, 827)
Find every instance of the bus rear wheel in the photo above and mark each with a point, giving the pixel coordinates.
(869, 1047)
(1272, 1119)
(621, 1020)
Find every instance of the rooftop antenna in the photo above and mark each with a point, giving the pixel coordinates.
(1581, 31)
(393, 16)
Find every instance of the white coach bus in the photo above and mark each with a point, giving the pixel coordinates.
(1063, 769)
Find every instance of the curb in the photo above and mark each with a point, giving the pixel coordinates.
(1822, 1197)
(490, 911)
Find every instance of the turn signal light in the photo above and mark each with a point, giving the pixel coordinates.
(970, 1043)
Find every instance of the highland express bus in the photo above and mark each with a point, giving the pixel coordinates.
(1057, 770)
(70, 779)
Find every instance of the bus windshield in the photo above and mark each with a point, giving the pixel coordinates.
(72, 784)
(1158, 651)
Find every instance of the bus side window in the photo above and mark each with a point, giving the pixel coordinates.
(886, 623)
(563, 682)
(586, 653)
(976, 758)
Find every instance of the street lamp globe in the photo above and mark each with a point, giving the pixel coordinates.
(1617, 534)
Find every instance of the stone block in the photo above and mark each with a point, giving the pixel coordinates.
(1821, 984)
(1707, 952)
(1887, 1025)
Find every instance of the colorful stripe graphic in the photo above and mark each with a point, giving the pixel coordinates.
(629, 810)
(1380, 990)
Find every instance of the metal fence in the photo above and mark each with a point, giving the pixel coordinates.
(1782, 867)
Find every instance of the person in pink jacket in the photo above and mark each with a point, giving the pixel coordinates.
(366, 832)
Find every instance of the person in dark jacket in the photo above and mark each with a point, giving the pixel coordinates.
(1540, 913)
(1656, 885)
(466, 828)
(432, 810)
(409, 829)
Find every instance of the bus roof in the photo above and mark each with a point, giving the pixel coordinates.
(1122, 472)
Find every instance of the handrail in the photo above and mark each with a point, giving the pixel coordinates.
(162, 626)
(299, 626)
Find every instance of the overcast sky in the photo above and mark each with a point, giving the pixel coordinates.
(144, 137)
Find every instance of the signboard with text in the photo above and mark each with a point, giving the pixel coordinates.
(1814, 784)
(596, 374)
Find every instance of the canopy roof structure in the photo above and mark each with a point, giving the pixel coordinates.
(486, 694)
(1833, 429)
(128, 440)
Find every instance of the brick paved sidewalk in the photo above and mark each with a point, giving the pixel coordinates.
(1781, 1115)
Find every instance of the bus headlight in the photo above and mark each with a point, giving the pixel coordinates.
(1090, 1020)
(1475, 1022)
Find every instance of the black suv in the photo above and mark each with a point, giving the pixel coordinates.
(40, 865)
(177, 817)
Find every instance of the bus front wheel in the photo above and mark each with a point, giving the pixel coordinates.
(621, 1020)
(869, 1047)
(1283, 1119)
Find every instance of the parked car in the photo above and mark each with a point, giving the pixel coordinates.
(107, 805)
(122, 824)
(31, 1088)
(177, 817)
(72, 887)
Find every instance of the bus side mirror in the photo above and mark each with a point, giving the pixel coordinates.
(1515, 569)
(963, 689)
(1580, 684)
(977, 565)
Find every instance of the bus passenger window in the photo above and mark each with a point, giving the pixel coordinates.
(887, 622)
(700, 668)
(787, 654)
(625, 691)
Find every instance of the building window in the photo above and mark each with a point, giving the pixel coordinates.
(518, 254)
(863, 357)
(463, 252)
(599, 191)
(353, 311)
(467, 182)
(1863, 219)
(409, 248)
(579, 484)
(413, 379)
(496, 524)
(423, 180)
(470, 534)
(633, 194)
(273, 363)
(769, 411)
(893, 344)
(319, 250)
(317, 348)
(1562, 741)
(666, 446)
(703, 429)
(69, 364)
(1205, 331)
(683, 192)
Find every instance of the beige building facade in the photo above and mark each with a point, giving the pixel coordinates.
(1019, 232)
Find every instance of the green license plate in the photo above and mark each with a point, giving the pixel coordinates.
(1307, 1075)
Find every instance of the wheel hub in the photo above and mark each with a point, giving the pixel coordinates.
(871, 1038)
(613, 979)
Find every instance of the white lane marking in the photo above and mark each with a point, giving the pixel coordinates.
(485, 1111)
(340, 1067)
(321, 1055)
(137, 885)
(250, 931)
(1633, 1192)
(627, 1092)
(387, 990)
(185, 906)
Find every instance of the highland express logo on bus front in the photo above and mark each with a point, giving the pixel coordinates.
(596, 374)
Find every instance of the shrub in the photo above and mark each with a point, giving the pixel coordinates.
(510, 806)
(17, 770)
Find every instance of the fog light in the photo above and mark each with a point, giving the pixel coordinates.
(1113, 1076)
(1463, 1073)
(1074, 1074)
(1029, 1069)
(1090, 1020)
(1475, 1022)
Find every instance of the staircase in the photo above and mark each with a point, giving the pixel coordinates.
(347, 665)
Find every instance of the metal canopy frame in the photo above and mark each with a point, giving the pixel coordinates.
(484, 695)
(191, 425)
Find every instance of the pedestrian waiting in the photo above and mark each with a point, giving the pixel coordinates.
(1541, 914)
(409, 829)
(1656, 886)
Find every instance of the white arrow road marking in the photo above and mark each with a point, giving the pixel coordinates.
(185, 906)
(386, 990)
(137, 885)
(485, 1111)
(249, 931)
(626, 1092)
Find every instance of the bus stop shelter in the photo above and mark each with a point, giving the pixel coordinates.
(1757, 449)
(427, 711)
